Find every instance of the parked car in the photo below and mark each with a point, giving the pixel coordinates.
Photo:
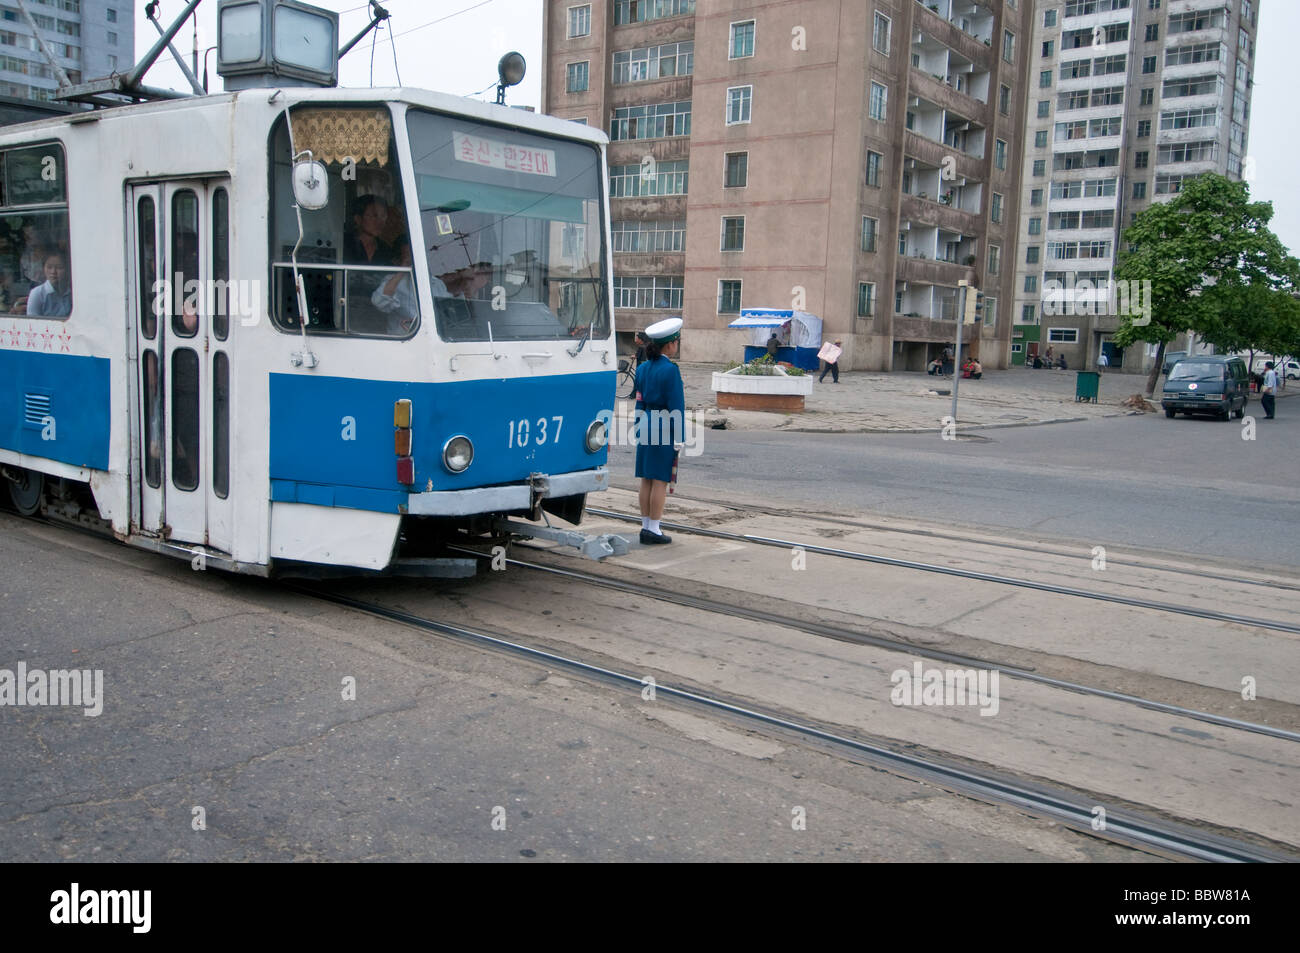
(1292, 368)
(1211, 384)
(1172, 358)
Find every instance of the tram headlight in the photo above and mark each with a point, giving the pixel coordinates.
(458, 454)
(596, 436)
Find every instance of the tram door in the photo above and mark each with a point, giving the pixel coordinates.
(180, 298)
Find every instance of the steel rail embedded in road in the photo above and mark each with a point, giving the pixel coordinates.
(827, 630)
(972, 574)
(1121, 825)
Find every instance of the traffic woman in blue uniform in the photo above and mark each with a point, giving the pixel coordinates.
(661, 410)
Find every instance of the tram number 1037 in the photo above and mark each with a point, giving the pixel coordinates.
(521, 432)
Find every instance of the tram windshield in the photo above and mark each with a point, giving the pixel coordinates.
(512, 229)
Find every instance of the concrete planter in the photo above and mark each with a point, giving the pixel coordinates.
(778, 392)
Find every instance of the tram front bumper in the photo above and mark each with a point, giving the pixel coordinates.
(511, 498)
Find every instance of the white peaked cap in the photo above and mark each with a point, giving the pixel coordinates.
(665, 330)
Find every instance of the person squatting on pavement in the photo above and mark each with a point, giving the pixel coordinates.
(661, 409)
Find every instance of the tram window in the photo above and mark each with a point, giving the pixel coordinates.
(153, 422)
(185, 419)
(146, 227)
(35, 275)
(221, 424)
(354, 278)
(183, 302)
(220, 305)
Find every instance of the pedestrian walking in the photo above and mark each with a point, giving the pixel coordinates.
(1103, 362)
(1267, 393)
(832, 362)
(661, 410)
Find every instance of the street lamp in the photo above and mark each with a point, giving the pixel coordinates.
(510, 72)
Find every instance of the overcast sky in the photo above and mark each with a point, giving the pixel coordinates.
(453, 46)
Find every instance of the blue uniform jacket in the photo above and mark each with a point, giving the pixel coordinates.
(659, 388)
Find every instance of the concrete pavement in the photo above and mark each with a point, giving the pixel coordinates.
(911, 402)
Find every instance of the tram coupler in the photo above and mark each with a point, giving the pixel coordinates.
(593, 547)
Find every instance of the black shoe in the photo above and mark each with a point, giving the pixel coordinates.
(650, 539)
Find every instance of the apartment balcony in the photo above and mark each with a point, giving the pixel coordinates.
(933, 153)
(670, 89)
(930, 330)
(929, 212)
(928, 271)
(945, 94)
(650, 263)
(656, 208)
(631, 151)
(1217, 67)
(932, 17)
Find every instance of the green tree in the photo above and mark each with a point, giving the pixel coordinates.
(1201, 252)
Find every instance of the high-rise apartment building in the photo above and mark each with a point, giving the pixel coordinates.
(1128, 99)
(88, 38)
(851, 158)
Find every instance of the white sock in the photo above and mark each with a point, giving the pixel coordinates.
(653, 526)
(645, 522)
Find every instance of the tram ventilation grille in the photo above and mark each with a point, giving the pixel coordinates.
(37, 408)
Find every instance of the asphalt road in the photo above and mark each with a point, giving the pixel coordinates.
(1190, 486)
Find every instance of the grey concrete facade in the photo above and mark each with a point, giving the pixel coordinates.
(88, 38)
(837, 156)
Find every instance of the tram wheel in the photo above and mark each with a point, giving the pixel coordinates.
(26, 492)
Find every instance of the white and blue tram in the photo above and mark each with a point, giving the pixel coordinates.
(210, 366)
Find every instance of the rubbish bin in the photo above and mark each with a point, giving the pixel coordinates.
(1086, 386)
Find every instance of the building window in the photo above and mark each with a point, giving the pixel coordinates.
(1031, 284)
(1028, 315)
(580, 21)
(738, 103)
(1004, 100)
(1147, 97)
(1148, 64)
(1040, 139)
(576, 81)
(874, 160)
(1035, 226)
(990, 310)
(735, 173)
(645, 292)
(1139, 190)
(1144, 128)
(742, 40)
(651, 122)
(728, 297)
(866, 299)
(643, 236)
(1044, 108)
(880, 36)
(1049, 18)
(639, 11)
(631, 181)
(1141, 159)
(995, 208)
(1153, 32)
(1153, 4)
(879, 101)
(1049, 49)
(112, 61)
(1031, 254)
(1036, 197)
(870, 227)
(112, 38)
(654, 62)
(1063, 335)
(995, 259)
(1040, 167)
(1008, 46)
(1000, 154)
(733, 233)
(1045, 79)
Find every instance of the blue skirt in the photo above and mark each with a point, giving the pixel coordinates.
(655, 462)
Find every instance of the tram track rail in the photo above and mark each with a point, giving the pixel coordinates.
(845, 634)
(1049, 587)
(1168, 838)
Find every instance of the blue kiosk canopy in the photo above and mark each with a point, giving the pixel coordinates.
(800, 342)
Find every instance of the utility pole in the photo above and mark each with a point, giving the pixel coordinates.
(961, 326)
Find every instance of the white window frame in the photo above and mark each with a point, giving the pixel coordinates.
(725, 157)
(571, 10)
(740, 304)
(731, 40)
(746, 100)
(884, 102)
(722, 240)
(568, 74)
(889, 32)
(1059, 336)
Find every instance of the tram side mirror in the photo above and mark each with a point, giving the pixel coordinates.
(310, 185)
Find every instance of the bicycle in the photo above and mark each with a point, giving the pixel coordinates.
(626, 381)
